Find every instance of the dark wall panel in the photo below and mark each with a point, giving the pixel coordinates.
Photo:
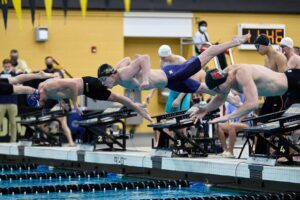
(251, 6)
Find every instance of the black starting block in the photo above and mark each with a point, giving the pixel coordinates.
(274, 131)
(34, 120)
(193, 146)
(99, 123)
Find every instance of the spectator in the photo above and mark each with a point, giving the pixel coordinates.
(8, 103)
(49, 62)
(201, 37)
(20, 66)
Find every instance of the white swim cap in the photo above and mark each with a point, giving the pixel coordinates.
(164, 51)
(287, 41)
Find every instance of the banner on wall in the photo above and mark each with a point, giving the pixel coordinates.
(18, 9)
(65, 7)
(32, 10)
(4, 8)
(127, 5)
(169, 2)
(83, 6)
(48, 6)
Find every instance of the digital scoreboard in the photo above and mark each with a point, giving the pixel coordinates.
(275, 32)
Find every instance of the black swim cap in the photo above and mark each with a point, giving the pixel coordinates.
(105, 70)
(262, 39)
(214, 78)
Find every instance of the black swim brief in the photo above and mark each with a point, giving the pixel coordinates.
(5, 87)
(94, 89)
(293, 78)
(179, 76)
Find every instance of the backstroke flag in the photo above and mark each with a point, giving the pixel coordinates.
(4, 8)
(32, 10)
(18, 9)
(83, 5)
(48, 6)
(127, 5)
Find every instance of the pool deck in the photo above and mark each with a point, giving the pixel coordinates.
(146, 158)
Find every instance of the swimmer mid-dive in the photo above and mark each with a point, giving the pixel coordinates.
(136, 74)
(253, 81)
(59, 89)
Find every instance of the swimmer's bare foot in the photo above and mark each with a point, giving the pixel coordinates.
(241, 39)
(46, 75)
(70, 145)
(144, 84)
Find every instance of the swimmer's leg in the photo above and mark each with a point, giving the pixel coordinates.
(215, 50)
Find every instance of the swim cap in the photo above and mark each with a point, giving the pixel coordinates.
(262, 39)
(164, 51)
(33, 99)
(287, 41)
(214, 78)
(106, 70)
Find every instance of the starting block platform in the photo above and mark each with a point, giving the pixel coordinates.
(213, 169)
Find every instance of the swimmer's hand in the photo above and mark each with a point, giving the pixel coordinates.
(144, 113)
(219, 120)
(63, 105)
(144, 84)
(198, 114)
(78, 110)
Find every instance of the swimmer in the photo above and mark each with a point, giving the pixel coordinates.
(274, 60)
(252, 80)
(130, 74)
(59, 89)
(287, 48)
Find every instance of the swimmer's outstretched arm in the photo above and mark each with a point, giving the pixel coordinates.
(230, 98)
(27, 77)
(251, 98)
(130, 104)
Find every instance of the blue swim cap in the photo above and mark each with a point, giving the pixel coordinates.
(33, 99)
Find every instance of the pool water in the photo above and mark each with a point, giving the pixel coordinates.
(193, 190)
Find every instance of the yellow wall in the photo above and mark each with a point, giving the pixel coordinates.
(150, 46)
(222, 26)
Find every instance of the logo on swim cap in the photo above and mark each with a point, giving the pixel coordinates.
(106, 70)
(214, 78)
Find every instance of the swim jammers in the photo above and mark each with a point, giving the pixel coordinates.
(179, 76)
(93, 88)
(5, 87)
(293, 79)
